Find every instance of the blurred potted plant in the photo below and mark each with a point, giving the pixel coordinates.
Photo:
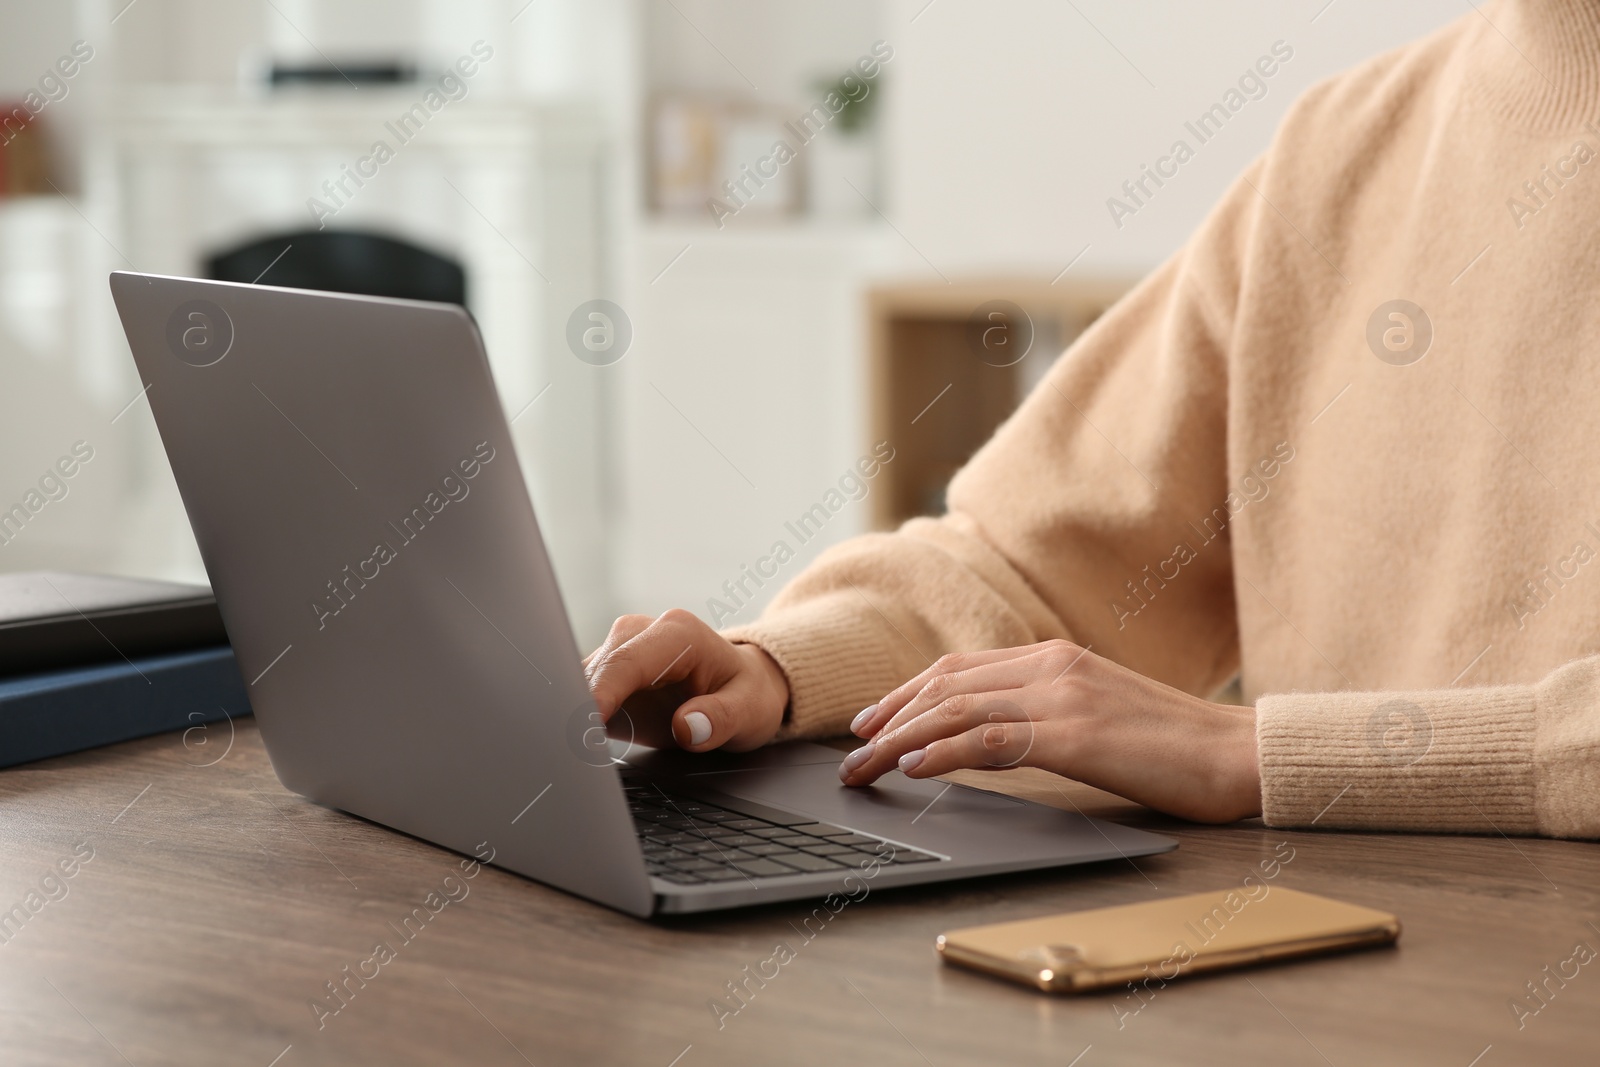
(843, 164)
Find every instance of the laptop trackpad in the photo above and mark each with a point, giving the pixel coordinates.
(895, 801)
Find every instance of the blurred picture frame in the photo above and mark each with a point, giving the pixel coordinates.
(696, 144)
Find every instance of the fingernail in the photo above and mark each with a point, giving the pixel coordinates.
(699, 727)
(855, 759)
(861, 719)
(911, 760)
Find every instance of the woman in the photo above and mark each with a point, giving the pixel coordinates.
(1342, 445)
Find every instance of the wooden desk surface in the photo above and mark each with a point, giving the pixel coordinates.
(216, 906)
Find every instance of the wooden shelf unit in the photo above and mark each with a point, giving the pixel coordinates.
(939, 388)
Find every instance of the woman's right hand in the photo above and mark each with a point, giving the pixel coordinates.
(682, 680)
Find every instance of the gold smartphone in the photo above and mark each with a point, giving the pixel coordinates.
(1163, 939)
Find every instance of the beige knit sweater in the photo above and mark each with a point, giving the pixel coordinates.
(1248, 466)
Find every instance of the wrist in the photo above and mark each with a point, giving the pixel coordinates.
(1242, 787)
(772, 682)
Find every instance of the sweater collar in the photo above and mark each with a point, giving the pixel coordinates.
(1537, 62)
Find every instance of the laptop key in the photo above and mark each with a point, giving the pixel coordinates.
(738, 840)
(818, 829)
(799, 840)
(727, 855)
(806, 862)
(762, 868)
(771, 848)
(831, 850)
(694, 807)
(853, 839)
(746, 824)
(698, 846)
(681, 879)
(770, 832)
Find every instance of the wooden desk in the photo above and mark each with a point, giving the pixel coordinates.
(216, 905)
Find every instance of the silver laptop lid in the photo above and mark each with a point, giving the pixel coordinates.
(349, 475)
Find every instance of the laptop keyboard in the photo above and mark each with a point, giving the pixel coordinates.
(692, 842)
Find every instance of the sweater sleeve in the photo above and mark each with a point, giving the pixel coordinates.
(1061, 521)
(1516, 759)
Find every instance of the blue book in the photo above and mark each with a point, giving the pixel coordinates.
(51, 713)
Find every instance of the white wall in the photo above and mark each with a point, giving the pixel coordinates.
(774, 50)
(1012, 121)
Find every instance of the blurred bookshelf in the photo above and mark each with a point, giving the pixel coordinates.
(950, 362)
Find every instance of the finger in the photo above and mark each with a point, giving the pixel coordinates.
(661, 653)
(625, 629)
(873, 719)
(717, 719)
(951, 717)
(988, 677)
(1045, 656)
(992, 746)
(634, 724)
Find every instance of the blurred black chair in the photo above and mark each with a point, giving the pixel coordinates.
(343, 261)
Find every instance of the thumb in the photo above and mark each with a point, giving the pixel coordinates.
(704, 722)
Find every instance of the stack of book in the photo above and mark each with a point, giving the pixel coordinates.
(88, 660)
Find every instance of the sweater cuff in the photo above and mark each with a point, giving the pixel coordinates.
(1454, 760)
(834, 658)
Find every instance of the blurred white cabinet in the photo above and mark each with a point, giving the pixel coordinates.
(513, 191)
(740, 406)
(51, 396)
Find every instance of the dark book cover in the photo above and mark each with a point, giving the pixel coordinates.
(51, 620)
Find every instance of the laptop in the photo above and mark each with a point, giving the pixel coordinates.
(349, 473)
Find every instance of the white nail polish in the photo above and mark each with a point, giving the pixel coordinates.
(861, 717)
(699, 727)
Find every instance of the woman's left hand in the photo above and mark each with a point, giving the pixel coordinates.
(1062, 708)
